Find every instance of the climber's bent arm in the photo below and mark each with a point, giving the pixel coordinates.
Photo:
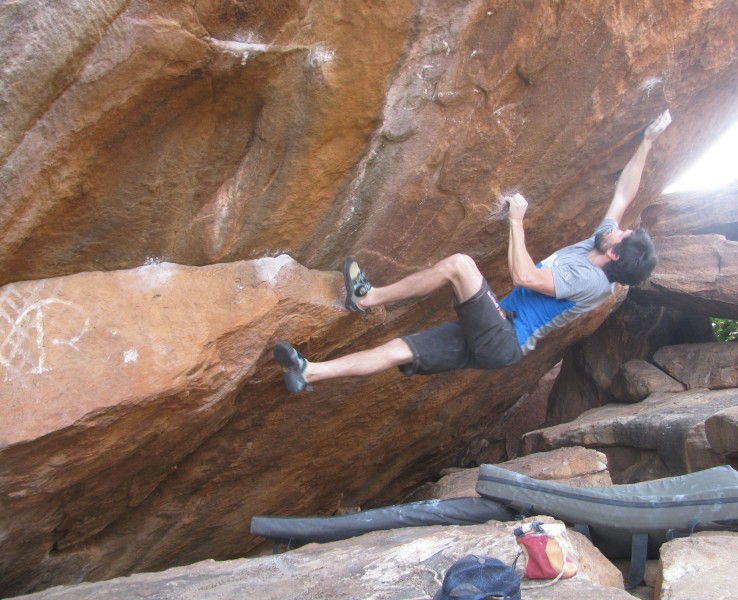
(522, 268)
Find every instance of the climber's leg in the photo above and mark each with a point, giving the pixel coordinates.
(459, 270)
(299, 373)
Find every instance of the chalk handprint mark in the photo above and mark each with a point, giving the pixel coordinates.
(27, 330)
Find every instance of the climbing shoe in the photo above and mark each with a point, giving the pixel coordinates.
(293, 364)
(356, 284)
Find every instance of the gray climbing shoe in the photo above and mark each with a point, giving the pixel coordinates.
(293, 364)
(356, 284)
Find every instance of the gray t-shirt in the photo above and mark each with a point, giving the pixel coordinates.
(580, 287)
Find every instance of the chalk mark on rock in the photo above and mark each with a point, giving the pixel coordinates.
(23, 330)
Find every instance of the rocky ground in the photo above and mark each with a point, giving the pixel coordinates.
(410, 563)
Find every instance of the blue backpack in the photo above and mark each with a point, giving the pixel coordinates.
(479, 577)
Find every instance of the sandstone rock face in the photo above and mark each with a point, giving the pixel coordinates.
(579, 467)
(404, 563)
(192, 133)
(695, 274)
(529, 412)
(106, 410)
(116, 339)
(694, 213)
(217, 131)
(638, 379)
(700, 566)
(141, 435)
(634, 332)
(713, 366)
(140, 419)
(661, 436)
(721, 431)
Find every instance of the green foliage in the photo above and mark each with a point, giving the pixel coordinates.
(726, 330)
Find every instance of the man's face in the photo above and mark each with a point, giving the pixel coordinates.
(605, 240)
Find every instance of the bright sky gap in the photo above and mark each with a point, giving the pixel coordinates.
(715, 169)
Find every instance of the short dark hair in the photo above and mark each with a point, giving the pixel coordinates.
(637, 259)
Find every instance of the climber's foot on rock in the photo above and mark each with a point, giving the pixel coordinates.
(293, 364)
(356, 285)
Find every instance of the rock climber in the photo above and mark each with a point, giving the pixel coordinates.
(489, 334)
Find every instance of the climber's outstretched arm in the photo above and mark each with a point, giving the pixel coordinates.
(630, 178)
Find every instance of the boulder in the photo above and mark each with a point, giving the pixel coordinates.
(118, 391)
(578, 467)
(721, 431)
(190, 133)
(713, 366)
(98, 343)
(634, 332)
(217, 131)
(638, 379)
(700, 566)
(146, 420)
(662, 436)
(697, 274)
(694, 213)
(529, 412)
(402, 563)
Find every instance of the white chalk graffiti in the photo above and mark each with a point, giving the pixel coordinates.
(24, 333)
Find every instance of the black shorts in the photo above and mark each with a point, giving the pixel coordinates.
(482, 338)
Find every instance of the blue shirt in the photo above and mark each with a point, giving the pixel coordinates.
(580, 287)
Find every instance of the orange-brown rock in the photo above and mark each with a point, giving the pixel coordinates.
(696, 274)
(638, 379)
(214, 131)
(145, 419)
(118, 392)
(77, 346)
(721, 431)
(694, 213)
(187, 132)
(713, 366)
(634, 331)
(528, 413)
(700, 566)
(580, 467)
(662, 436)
